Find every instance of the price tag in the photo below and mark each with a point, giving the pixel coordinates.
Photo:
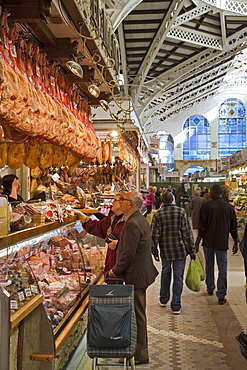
(6, 44)
(21, 296)
(53, 81)
(34, 289)
(28, 292)
(37, 71)
(13, 305)
(55, 177)
(13, 51)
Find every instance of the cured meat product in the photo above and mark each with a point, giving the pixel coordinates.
(33, 151)
(3, 154)
(16, 155)
(110, 151)
(34, 185)
(46, 155)
(59, 156)
(36, 172)
(72, 160)
(106, 150)
(16, 136)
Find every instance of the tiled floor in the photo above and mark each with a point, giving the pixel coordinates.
(203, 335)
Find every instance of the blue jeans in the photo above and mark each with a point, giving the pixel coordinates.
(177, 288)
(221, 258)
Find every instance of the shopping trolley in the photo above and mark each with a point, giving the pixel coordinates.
(111, 324)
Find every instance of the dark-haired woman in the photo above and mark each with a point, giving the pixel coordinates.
(11, 187)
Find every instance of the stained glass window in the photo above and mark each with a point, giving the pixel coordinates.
(197, 138)
(231, 127)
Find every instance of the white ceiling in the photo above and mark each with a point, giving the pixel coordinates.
(176, 53)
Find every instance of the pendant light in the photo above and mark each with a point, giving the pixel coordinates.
(104, 104)
(75, 68)
(94, 90)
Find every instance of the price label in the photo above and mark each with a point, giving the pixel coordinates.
(55, 177)
(28, 292)
(21, 296)
(37, 69)
(34, 289)
(13, 51)
(6, 44)
(53, 81)
(13, 305)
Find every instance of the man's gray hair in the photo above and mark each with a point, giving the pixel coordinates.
(136, 199)
(167, 197)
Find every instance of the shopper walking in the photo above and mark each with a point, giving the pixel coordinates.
(158, 197)
(172, 234)
(135, 264)
(206, 196)
(195, 206)
(185, 202)
(150, 200)
(217, 220)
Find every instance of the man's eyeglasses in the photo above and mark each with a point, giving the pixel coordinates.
(129, 200)
(116, 200)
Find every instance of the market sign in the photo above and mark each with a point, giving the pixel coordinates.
(154, 145)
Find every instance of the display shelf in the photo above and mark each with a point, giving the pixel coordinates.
(15, 237)
(25, 311)
(31, 324)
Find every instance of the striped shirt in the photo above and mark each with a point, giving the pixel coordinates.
(171, 232)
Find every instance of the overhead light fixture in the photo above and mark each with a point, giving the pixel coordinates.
(75, 68)
(94, 90)
(114, 134)
(104, 104)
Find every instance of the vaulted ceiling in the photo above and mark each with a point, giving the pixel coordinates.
(176, 53)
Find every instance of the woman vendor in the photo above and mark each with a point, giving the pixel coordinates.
(11, 188)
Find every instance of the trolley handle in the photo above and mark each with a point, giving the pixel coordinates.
(120, 280)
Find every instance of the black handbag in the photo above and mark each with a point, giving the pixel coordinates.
(242, 339)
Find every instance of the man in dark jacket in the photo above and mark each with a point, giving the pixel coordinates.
(217, 220)
(135, 264)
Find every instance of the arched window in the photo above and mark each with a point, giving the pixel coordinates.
(197, 138)
(166, 152)
(231, 127)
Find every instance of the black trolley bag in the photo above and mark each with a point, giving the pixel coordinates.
(111, 330)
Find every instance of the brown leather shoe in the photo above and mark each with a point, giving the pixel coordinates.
(141, 362)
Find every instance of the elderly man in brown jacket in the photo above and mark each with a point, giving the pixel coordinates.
(135, 265)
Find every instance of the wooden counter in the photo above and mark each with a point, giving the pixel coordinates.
(27, 233)
(30, 232)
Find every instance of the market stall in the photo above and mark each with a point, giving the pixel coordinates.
(45, 273)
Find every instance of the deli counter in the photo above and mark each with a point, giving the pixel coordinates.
(45, 273)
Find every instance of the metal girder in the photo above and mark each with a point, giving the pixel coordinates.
(239, 7)
(118, 13)
(203, 60)
(186, 102)
(195, 37)
(123, 56)
(158, 40)
(177, 91)
(191, 14)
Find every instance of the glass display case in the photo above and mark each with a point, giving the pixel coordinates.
(50, 266)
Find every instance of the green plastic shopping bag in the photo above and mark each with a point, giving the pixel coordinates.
(193, 278)
(200, 267)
